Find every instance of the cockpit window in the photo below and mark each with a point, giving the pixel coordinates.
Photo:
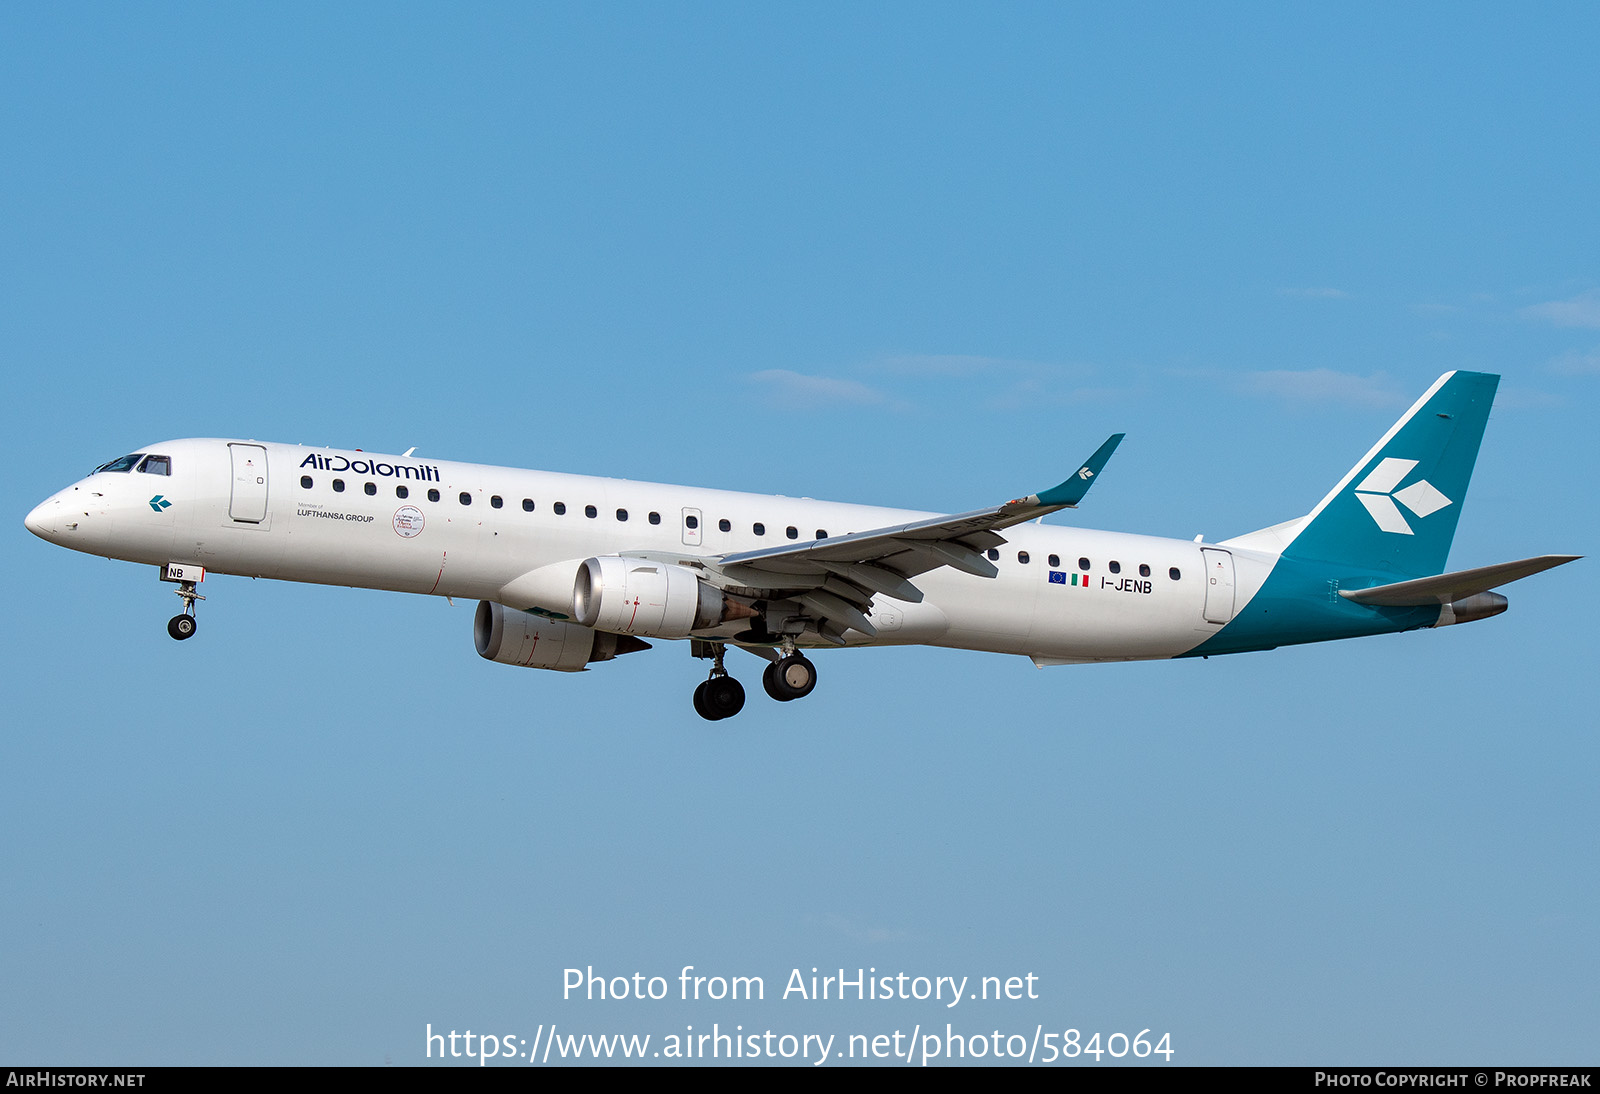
(124, 464)
(156, 465)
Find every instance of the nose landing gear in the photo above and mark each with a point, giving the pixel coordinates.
(184, 625)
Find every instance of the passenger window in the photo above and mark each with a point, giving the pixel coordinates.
(994, 554)
(622, 514)
(691, 522)
(655, 518)
(1083, 564)
(1144, 571)
(561, 508)
(401, 492)
(497, 502)
(527, 505)
(371, 488)
(792, 532)
(758, 528)
(1054, 560)
(1174, 574)
(822, 533)
(590, 511)
(1114, 567)
(305, 482)
(1022, 557)
(466, 498)
(156, 465)
(338, 486)
(725, 524)
(433, 495)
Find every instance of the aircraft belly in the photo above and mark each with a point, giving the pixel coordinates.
(979, 613)
(903, 624)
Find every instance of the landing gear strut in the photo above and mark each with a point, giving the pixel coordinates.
(720, 696)
(183, 626)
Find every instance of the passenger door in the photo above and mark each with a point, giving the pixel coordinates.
(1219, 585)
(248, 503)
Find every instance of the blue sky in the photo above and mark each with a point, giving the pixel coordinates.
(920, 255)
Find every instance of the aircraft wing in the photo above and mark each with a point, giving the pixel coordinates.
(835, 578)
(1444, 588)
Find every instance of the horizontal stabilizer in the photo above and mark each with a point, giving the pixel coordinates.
(1445, 588)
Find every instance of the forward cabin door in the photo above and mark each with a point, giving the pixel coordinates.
(1219, 585)
(248, 503)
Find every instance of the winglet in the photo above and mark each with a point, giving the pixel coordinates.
(1071, 492)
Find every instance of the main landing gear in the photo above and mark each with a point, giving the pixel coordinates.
(788, 676)
(720, 696)
(183, 626)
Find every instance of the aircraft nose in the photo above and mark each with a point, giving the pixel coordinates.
(43, 520)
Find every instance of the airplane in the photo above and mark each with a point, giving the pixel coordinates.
(572, 570)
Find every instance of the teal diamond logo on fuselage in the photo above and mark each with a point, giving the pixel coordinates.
(159, 503)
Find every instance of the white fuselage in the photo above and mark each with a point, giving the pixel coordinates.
(467, 530)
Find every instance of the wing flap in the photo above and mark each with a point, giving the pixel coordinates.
(878, 579)
(828, 606)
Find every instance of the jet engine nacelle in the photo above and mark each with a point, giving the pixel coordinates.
(514, 637)
(655, 599)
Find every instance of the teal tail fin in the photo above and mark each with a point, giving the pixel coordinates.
(1397, 509)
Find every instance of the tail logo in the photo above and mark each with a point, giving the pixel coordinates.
(1377, 492)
